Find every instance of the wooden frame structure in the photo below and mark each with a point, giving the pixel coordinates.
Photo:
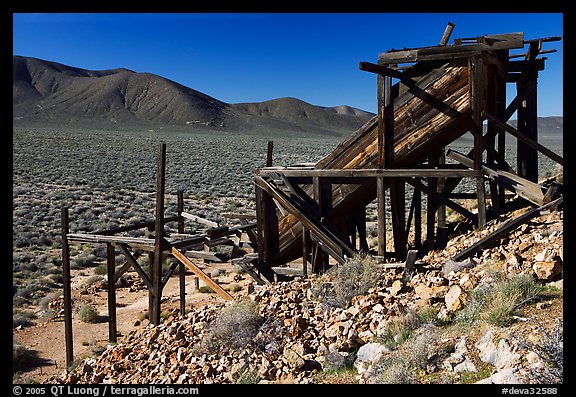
(318, 211)
(158, 246)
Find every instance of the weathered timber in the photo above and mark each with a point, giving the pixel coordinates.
(530, 142)
(447, 33)
(111, 268)
(209, 282)
(371, 173)
(198, 219)
(522, 187)
(491, 43)
(64, 222)
(134, 263)
(439, 127)
(504, 229)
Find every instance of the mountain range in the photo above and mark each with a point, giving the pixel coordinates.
(52, 94)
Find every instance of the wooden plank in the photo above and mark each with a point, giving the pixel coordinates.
(68, 335)
(496, 42)
(381, 215)
(375, 173)
(398, 205)
(504, 229)
(441, 198)
(447, 33)
(198, 219)
(211, 283)
(134, 226)
(244, 263)
(530, 142)
(97, 238)
(182, 269)
(325, 235)
(477, 67)
(134, 263)
(522, 187)
(127, 265)
(202, 255)
(111, 269)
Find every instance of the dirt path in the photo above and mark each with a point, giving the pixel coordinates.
(48, 341)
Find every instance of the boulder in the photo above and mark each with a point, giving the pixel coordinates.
(454, 298)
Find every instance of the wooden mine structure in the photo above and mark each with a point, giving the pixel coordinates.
(317, 212)
(441, 92)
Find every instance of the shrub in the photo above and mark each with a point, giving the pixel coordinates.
(498, 301)
(87, 313)
(403, 365)
(22, 358)
(23, 318)
(343, 282)
(236, 325)
(551, 350)
(101, 269)
(249, 376)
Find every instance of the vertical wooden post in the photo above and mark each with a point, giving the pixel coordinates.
(323, 196)
(492, 94)
(151, 292)
(381, 215)
(67, 288)
(439, 187)
(417, 219)
(504, 56)
(361, 219)
(527, 124)
(447, 33)
(269, 154)
(476, 65)
(111, 267)
(181, 267)
(398, 205)
(381, 106)
(305, 251)
(431, 207)
(159, 230)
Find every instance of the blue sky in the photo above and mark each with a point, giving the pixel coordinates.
(254, 57)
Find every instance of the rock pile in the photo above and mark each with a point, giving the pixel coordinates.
(300, 336)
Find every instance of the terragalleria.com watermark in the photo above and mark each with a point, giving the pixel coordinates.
(104, 390)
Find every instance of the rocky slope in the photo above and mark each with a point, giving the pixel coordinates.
(297, 337)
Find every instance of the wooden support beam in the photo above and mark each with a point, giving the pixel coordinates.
(305, 238)
(398, 205)
(181, 269)
(417, 219)
(134, 263)
(522, 187)
(67, 288)
(134, 226)
(477, 67)
(527, 157)
(341, 174)
(111, 268)
(381, 215)
(441, 198)
(504, 229)
(528, 141)
(156, 266)
(269, 153)
(198, 219)
(447, 33)
(209, 282)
